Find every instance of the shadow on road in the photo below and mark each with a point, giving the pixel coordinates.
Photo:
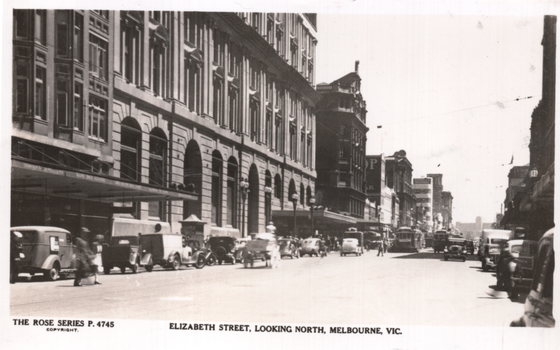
(428, 255)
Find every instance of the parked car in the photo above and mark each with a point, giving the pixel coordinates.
(122, 252)
(169, 251)
(223, 247)
(519, 273)
(288, 247)
(351, 246)
(356, 247)
(539, 303)
(47, 250)
(456, 249)
(310, 246)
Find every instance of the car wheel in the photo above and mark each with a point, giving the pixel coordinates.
(176, 263)
(211, 260)
(134, 267)
(106, 270)
(53, 273)
(200, 262)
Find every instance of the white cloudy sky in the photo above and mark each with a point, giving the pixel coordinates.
(444, 89)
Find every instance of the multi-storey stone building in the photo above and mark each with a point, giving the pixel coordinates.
(159, 115)
(341, 145)
(399, 177)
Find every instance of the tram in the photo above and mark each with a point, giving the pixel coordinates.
(407, 240)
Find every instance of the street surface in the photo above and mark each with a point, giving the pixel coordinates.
(397, 289)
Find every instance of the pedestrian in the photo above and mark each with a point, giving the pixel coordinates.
(271, 228)
(84, 256)
(381, 248)
(97, 262)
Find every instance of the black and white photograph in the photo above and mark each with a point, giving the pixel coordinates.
(318, 175)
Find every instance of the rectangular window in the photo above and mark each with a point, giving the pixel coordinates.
(21, 24)
(233, 108)
(78, 107)
(62, 102)
(98, 63)
(40, 26)
(62, 27)
(131, 61)
(21, 99)
(98, 118)
(40, 93)
(78, 37)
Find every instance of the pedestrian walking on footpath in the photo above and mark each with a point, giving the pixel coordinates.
(381, 248)
(84, 256)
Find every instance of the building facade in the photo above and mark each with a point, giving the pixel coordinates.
(423, 189)
(341, 145)
(384, 198)
(537, 206)
(447, 210)
(399, 177)
(159, 115)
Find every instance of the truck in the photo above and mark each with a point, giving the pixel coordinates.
(492, 241)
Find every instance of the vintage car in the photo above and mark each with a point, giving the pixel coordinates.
(310, 246)
(288, 247)
(520, 271)
(169, 251)
(351, 246)
(223, 247)
(122, 252)
(539, 302)
(440, 241)
(47, 250)
(456, 249)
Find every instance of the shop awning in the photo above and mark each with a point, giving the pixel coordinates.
(319, 215)
(38, 179)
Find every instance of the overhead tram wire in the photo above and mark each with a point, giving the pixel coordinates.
(498, 103)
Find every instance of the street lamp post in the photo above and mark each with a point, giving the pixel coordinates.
(244, 187)
(311, 208)
(295, 198)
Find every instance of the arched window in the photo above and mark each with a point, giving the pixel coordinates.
(192, 178)
(131, 149)
(278, 188)
(301, 194)
(231, 199)
(217, 167)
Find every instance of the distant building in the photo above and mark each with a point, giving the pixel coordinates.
(473, 230)
(423, 189)
(447, 209)
(399, 177)
(384, 197)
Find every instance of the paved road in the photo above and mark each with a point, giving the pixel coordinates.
(398, 289)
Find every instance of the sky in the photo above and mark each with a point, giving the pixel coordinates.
(456, 92)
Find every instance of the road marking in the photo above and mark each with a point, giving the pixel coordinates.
(177, 298)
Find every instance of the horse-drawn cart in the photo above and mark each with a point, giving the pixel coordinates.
(264, 247)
